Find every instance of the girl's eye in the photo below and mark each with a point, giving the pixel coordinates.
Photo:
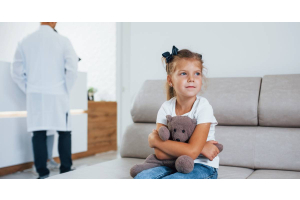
(183, 73)
(197, 73)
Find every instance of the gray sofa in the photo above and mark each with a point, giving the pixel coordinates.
(259, 126)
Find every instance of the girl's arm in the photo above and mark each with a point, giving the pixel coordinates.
(173, 148)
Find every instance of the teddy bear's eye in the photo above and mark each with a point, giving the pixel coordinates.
(175, 130)
(183, 131)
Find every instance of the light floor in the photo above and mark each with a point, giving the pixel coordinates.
(77, 164)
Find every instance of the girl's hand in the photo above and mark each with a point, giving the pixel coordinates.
(210, 150)
(153, 138)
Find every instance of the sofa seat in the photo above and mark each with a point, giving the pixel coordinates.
(114, 169)
(274, 174)
(119, 169)
(228, 172)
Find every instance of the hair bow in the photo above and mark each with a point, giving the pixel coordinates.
(169, 56)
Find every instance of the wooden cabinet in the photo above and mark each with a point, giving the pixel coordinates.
(102, 128)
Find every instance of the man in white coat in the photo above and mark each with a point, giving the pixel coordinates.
(45, 68)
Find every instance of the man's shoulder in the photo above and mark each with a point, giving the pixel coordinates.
(28, 37)
(38, 35)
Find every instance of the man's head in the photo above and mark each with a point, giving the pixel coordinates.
(51, 24)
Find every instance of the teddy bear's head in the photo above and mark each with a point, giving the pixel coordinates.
(181, 127)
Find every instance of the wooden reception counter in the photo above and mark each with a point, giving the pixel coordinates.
(102, 128)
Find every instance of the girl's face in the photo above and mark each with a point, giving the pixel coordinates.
(187, 77)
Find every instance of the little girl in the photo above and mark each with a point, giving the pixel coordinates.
(184, 80)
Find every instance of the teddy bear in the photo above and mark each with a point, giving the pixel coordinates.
(180, 128)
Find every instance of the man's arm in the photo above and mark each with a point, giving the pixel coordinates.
(18, 71)
(71, 65)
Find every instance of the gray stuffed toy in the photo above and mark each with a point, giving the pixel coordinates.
(180, 128)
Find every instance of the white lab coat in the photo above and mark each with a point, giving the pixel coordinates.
(45, 68)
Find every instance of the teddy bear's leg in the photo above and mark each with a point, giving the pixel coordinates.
(164, 133)
(150, 162)
(169, 163)
(184, 164)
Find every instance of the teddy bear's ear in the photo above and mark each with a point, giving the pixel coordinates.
(194, 121)
(169, 118)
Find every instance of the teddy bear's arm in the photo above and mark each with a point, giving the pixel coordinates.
(164, 133)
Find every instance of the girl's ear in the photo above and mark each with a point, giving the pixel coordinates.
(169, 79)
(169, 118)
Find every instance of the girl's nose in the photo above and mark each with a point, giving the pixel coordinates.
(191, 79)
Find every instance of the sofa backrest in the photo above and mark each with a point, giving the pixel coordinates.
(148, 101)
(234, 100)
(279, 102)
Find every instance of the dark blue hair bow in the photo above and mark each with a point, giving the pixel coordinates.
(169, 56)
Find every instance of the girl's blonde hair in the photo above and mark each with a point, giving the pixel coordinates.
(170, 68)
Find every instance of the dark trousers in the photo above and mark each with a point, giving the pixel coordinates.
(39, 142)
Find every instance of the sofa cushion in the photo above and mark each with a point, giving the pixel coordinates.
(279, 102)
(259, 147)
(135, 141)
(277, 148)
(238, 143)
(234, 100)
(114, 169)
(120, 168)
(148, 101)
(227, 172)
(274, 174)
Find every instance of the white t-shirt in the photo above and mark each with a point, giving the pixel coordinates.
(201, 111)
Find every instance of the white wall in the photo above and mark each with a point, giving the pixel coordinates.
(228, 49)
(94, 43)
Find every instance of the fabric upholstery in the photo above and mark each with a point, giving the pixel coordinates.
(279, 102)
(259, 147)
(119, 169)
(135, 141)
(148, 101)
(238, 145)
(274, 174)
(234, 100)
(277, 148)
(114, 169)
(228, 172)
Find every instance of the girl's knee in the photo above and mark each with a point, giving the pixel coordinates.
(154, 173)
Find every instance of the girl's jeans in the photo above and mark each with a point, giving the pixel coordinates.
(200, 171)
